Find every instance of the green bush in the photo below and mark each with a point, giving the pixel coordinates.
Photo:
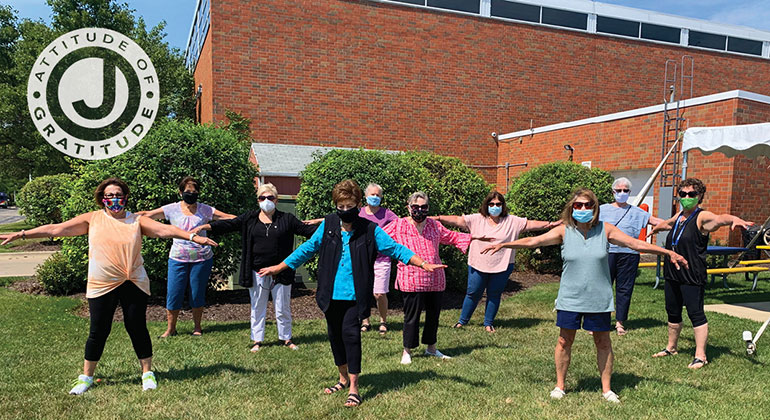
(59, 276)
(217, 157)
(453, 188)
(542, 192)
(42, 199)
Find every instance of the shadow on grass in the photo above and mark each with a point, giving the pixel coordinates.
(518, 323)
(380, 383)
(620, 381)
(188, 372)
(645, 323)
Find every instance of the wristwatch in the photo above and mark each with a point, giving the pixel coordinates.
(422, 264)
(192, 235)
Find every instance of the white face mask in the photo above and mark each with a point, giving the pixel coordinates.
(267, 206)
(621, 197)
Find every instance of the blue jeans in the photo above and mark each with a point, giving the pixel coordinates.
(180, 274)
(478, 281)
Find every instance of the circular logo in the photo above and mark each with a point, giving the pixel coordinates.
(93, 93)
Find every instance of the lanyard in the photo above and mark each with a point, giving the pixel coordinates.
(676, 237)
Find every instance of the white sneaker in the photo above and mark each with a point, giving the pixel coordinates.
(438, 354)
(148, 381)
(611, 397)
(557, 393)
(81, 384)
(406, 358)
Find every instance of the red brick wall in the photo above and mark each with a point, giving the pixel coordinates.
(204, 78)
(739, 185)
(360, 73)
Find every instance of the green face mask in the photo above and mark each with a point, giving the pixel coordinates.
(688, 203)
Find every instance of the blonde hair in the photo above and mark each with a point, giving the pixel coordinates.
(269, 188)
(566, 214)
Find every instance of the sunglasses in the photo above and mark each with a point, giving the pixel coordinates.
(111, 196)
(691, 194)
(620, 190)
(577, 205)
(498, 204)
(416, 207)
(266, 197)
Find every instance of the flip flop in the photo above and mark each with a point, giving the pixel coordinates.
(458, 325)
(621, 330)
(339, 386)
(666, 352)
(354, 400)
(490, 329)
(366, 327)
(383, 328)
(197, 334)
(696, 361)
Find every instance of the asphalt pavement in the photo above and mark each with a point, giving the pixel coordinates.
(10, 215)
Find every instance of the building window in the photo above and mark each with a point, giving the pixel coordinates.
(746, 46)
(704, 40)
(661, 33)
(565, 18)
(518, 11)
(198, 36)
(417, 2)
(470, 6)
(617, 26)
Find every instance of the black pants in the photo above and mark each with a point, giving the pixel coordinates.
(623, 268)
(414, 303)
(133, 301)
(691, 296)
(344, 329)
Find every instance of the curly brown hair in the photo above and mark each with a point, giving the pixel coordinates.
(99, 192)
(696, 185)
(347, 190)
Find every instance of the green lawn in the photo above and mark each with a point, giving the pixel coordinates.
(506, 375)
(15, 227)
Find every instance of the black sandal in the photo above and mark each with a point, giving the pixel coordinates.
(667, 353)
(366, 327)
(354, 400)
(383, 328)
(458, 325)
(339, 386)
(695, 361)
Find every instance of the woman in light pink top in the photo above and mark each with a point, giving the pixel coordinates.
(116, 272)
(491, 225)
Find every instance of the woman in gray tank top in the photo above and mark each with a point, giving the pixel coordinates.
(585, 291)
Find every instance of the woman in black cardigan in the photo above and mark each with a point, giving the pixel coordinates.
(267, 237)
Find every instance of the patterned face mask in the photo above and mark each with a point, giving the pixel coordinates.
(115, 205)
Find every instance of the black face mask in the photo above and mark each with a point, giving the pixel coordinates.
(349, 215)
(418, 215)
(189, 197)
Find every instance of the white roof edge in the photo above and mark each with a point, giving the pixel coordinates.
(717, 97)
(285, 174)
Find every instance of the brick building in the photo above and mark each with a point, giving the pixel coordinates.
(441, 75)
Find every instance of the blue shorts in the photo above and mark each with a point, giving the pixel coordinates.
(187, 275)
(591, 321)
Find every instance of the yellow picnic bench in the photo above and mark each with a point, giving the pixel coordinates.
(747, 268)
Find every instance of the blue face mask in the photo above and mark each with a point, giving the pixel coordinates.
(373, 200)
(582, 216)
(494, 210)
(621, 197)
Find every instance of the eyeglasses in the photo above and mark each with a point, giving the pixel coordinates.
(620, 190)
(111, 196)
(416, 207)
(497, 204)
(577, 205)
(266, 197)
(691, 194)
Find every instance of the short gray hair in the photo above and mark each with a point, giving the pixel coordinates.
(621, 181)
(416, 195)
(372, 184)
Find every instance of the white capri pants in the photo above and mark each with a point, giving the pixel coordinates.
(259, 293)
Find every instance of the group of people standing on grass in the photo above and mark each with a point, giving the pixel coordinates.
(599, 246)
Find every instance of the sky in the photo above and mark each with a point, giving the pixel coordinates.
(178, 14)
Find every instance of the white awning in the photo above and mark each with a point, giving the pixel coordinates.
(751, 140)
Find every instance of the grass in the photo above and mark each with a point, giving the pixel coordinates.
(15, 226)
(506, 375)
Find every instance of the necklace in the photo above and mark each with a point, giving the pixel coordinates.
(267, 228)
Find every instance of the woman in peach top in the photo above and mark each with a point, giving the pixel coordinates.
(116, 272)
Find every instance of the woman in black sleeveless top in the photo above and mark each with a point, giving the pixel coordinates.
(689, 237)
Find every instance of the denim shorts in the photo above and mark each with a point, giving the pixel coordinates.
(591, 321)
